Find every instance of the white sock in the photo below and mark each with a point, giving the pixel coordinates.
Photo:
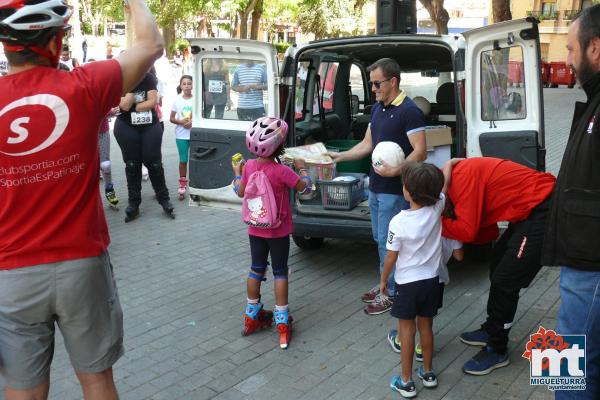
(281, 308)
(253, 301)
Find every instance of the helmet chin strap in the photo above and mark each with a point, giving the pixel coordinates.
(53, 58)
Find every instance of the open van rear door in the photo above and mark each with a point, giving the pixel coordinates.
(235, 82)
(504, 99)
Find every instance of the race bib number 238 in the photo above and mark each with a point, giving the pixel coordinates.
(141, 118)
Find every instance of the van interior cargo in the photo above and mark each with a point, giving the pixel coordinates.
(333, 103)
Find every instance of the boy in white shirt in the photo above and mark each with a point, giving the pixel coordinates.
(415, 246)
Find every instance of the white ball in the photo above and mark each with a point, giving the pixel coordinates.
(389, 152)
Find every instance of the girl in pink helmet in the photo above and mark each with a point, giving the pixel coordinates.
(265, 138)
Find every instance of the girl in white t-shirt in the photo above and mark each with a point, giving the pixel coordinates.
(415, 247)
(181, 115)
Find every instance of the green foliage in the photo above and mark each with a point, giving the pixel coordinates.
(330, 18)
(180, 44)
(86, 28)
(281, 47)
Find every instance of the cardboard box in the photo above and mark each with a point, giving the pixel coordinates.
(440, 135)
(439, 144)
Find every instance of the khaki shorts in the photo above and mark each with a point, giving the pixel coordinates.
(78, 296)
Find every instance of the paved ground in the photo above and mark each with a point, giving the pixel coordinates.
(182, 289)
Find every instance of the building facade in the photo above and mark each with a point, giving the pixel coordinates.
(555, 18)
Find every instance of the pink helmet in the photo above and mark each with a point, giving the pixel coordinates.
(265, 135)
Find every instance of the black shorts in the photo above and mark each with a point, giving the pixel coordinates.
(419, 298)
(441, 296)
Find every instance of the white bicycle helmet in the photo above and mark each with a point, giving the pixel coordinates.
(28, 21)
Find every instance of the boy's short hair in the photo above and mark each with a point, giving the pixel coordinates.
(423, 181)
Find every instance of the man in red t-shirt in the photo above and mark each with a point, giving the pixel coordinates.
(54, 267)
(485, 191)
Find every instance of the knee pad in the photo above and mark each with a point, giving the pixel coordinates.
(257, 272)
(133, 164)
(155, 167)
(280, 272)
(105, 166)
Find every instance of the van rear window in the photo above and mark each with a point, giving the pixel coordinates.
(503, 84)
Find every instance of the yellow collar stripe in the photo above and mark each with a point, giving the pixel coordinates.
(399, 99)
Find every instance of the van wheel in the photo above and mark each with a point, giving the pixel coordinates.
(307, 242)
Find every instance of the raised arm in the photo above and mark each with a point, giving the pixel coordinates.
(146, 48)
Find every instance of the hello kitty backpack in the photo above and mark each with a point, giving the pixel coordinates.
(259, 208)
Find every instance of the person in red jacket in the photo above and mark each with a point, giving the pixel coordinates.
(484, 191)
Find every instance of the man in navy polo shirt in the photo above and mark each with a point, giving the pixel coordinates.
(395, 118)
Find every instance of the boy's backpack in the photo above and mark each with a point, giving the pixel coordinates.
(259, 207)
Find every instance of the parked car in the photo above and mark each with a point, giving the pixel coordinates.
(322, 91)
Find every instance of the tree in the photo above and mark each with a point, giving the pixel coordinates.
(331, 18)
(277, 12)
(256, 15)
(170, 13)
(501, 10)
(438, 14)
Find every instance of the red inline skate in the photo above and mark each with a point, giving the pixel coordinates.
(284, 326)
(256, 318)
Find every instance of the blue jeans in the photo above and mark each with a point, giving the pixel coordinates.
(580, 314)
(383, 207)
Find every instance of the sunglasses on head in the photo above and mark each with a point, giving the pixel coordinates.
(377, 84)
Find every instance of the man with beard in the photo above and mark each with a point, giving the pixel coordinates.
(573, 230)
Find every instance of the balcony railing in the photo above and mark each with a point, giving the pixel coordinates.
(541, 15)
(570, 14)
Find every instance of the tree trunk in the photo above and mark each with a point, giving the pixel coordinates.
(256, 15)
(501, 10)
(234, 27)
(169, 38)
(243, 28)
(209, 29)
(243, 14)
(438, 14)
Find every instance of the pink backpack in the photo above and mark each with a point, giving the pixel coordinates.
(259, 208)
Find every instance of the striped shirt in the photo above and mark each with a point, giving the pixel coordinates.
(247, 75)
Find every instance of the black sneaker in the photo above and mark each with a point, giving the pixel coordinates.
(429, 379)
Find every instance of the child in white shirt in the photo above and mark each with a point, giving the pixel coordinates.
(415, 248)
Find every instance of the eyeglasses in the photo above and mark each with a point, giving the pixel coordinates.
(377, 84)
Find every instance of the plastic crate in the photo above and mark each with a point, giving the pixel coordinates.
(340, 195)
(363, 165)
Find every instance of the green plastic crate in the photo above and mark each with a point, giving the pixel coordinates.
(362, 165)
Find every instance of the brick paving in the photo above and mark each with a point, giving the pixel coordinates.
(182, 288)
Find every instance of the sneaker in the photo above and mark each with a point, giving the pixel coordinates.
(418, 352)
(485, 362)
(369, 297)
(407, 390)
(392, 338)
(429, 379)
(475, 338)
(381, 304)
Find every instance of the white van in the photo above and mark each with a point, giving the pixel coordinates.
(322, 90)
